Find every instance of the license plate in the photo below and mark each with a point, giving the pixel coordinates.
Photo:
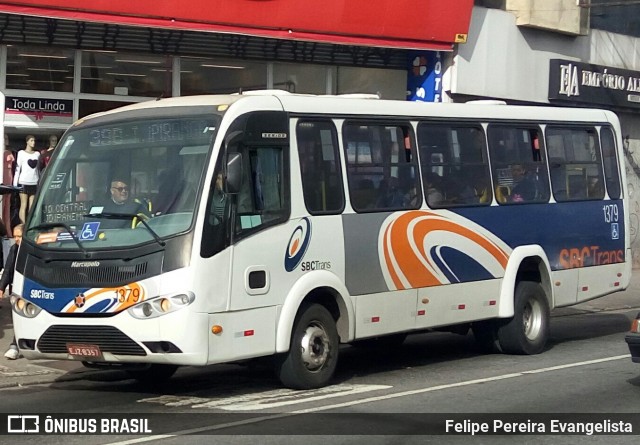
(81, 350)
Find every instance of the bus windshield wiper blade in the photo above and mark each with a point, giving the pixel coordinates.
(117, 215)
(53, 225)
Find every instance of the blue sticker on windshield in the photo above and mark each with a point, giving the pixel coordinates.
(89, 231)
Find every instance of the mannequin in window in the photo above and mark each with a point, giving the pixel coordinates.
(27, 175)
(45, 155)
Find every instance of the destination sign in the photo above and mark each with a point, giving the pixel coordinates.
(156, 131)
(65, 212)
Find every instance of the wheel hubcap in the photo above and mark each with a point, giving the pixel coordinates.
(532, 320)
(315, 347)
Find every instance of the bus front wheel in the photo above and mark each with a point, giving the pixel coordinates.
(313, 354)
(527, 332)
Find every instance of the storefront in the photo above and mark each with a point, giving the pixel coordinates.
(60, 63)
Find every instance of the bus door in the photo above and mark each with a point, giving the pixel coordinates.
(255, 176)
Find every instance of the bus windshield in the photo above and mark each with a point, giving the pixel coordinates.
(122, 183)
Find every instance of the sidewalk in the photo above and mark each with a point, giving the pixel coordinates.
(24, 372)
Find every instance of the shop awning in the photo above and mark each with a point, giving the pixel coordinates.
(407, 24)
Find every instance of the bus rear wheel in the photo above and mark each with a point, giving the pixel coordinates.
(313, 354)
(527, 332)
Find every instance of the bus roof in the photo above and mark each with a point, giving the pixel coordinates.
(368, 104)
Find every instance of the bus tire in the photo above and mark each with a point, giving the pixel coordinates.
(313, 354)
(527, 332)
(154, 374)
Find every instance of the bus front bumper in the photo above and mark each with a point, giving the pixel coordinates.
(178, 338)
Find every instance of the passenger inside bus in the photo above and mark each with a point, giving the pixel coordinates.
(460, 188)
(433, 183)
(482, 188)
(524, 184)
(219, 202)
(390, 195)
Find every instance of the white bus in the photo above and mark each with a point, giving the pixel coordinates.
(269, 223)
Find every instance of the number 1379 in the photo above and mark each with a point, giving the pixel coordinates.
(610, 213)
(128, 295)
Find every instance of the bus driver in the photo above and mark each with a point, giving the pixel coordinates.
(120, 201)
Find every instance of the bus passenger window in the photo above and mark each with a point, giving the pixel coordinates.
(610, 161)
(576, 169)
(520, 171)
(381, 170)
(455, 165)
(320, 167)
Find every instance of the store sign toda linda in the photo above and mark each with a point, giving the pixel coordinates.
(585, 83)
(39, 108)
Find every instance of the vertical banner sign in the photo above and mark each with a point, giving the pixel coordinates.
(424, 80)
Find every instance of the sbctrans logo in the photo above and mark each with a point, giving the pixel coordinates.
(298, 244)
(23, 424)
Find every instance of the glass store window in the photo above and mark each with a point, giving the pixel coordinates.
(298, 78)
(125, 74)
(217, 76)
(391, 84)
(40, 68)
(87, 107)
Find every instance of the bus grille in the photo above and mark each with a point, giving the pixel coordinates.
(91, 276)
(108, 338)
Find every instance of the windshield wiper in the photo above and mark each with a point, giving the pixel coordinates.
(115, 215)
(64, 226)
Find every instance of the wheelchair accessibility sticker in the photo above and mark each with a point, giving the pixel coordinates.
(89, 231)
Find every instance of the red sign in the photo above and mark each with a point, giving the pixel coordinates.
(411, 24)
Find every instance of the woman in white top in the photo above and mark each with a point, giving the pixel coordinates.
(27, 175)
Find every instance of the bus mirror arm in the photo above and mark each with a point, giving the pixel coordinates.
(234, 173)
(64, 226)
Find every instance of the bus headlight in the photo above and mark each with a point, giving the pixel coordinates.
(162, 305)
(23, 307)
(147, 310)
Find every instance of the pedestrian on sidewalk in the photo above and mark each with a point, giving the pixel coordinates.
(6, 281)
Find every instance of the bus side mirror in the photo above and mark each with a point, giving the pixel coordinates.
(234, 173)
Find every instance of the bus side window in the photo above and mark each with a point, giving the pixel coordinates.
(520, 171)
(382, 170)
(320, 167)
(610, 161)
(264, 195)
(575, 163)
(455, 164)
